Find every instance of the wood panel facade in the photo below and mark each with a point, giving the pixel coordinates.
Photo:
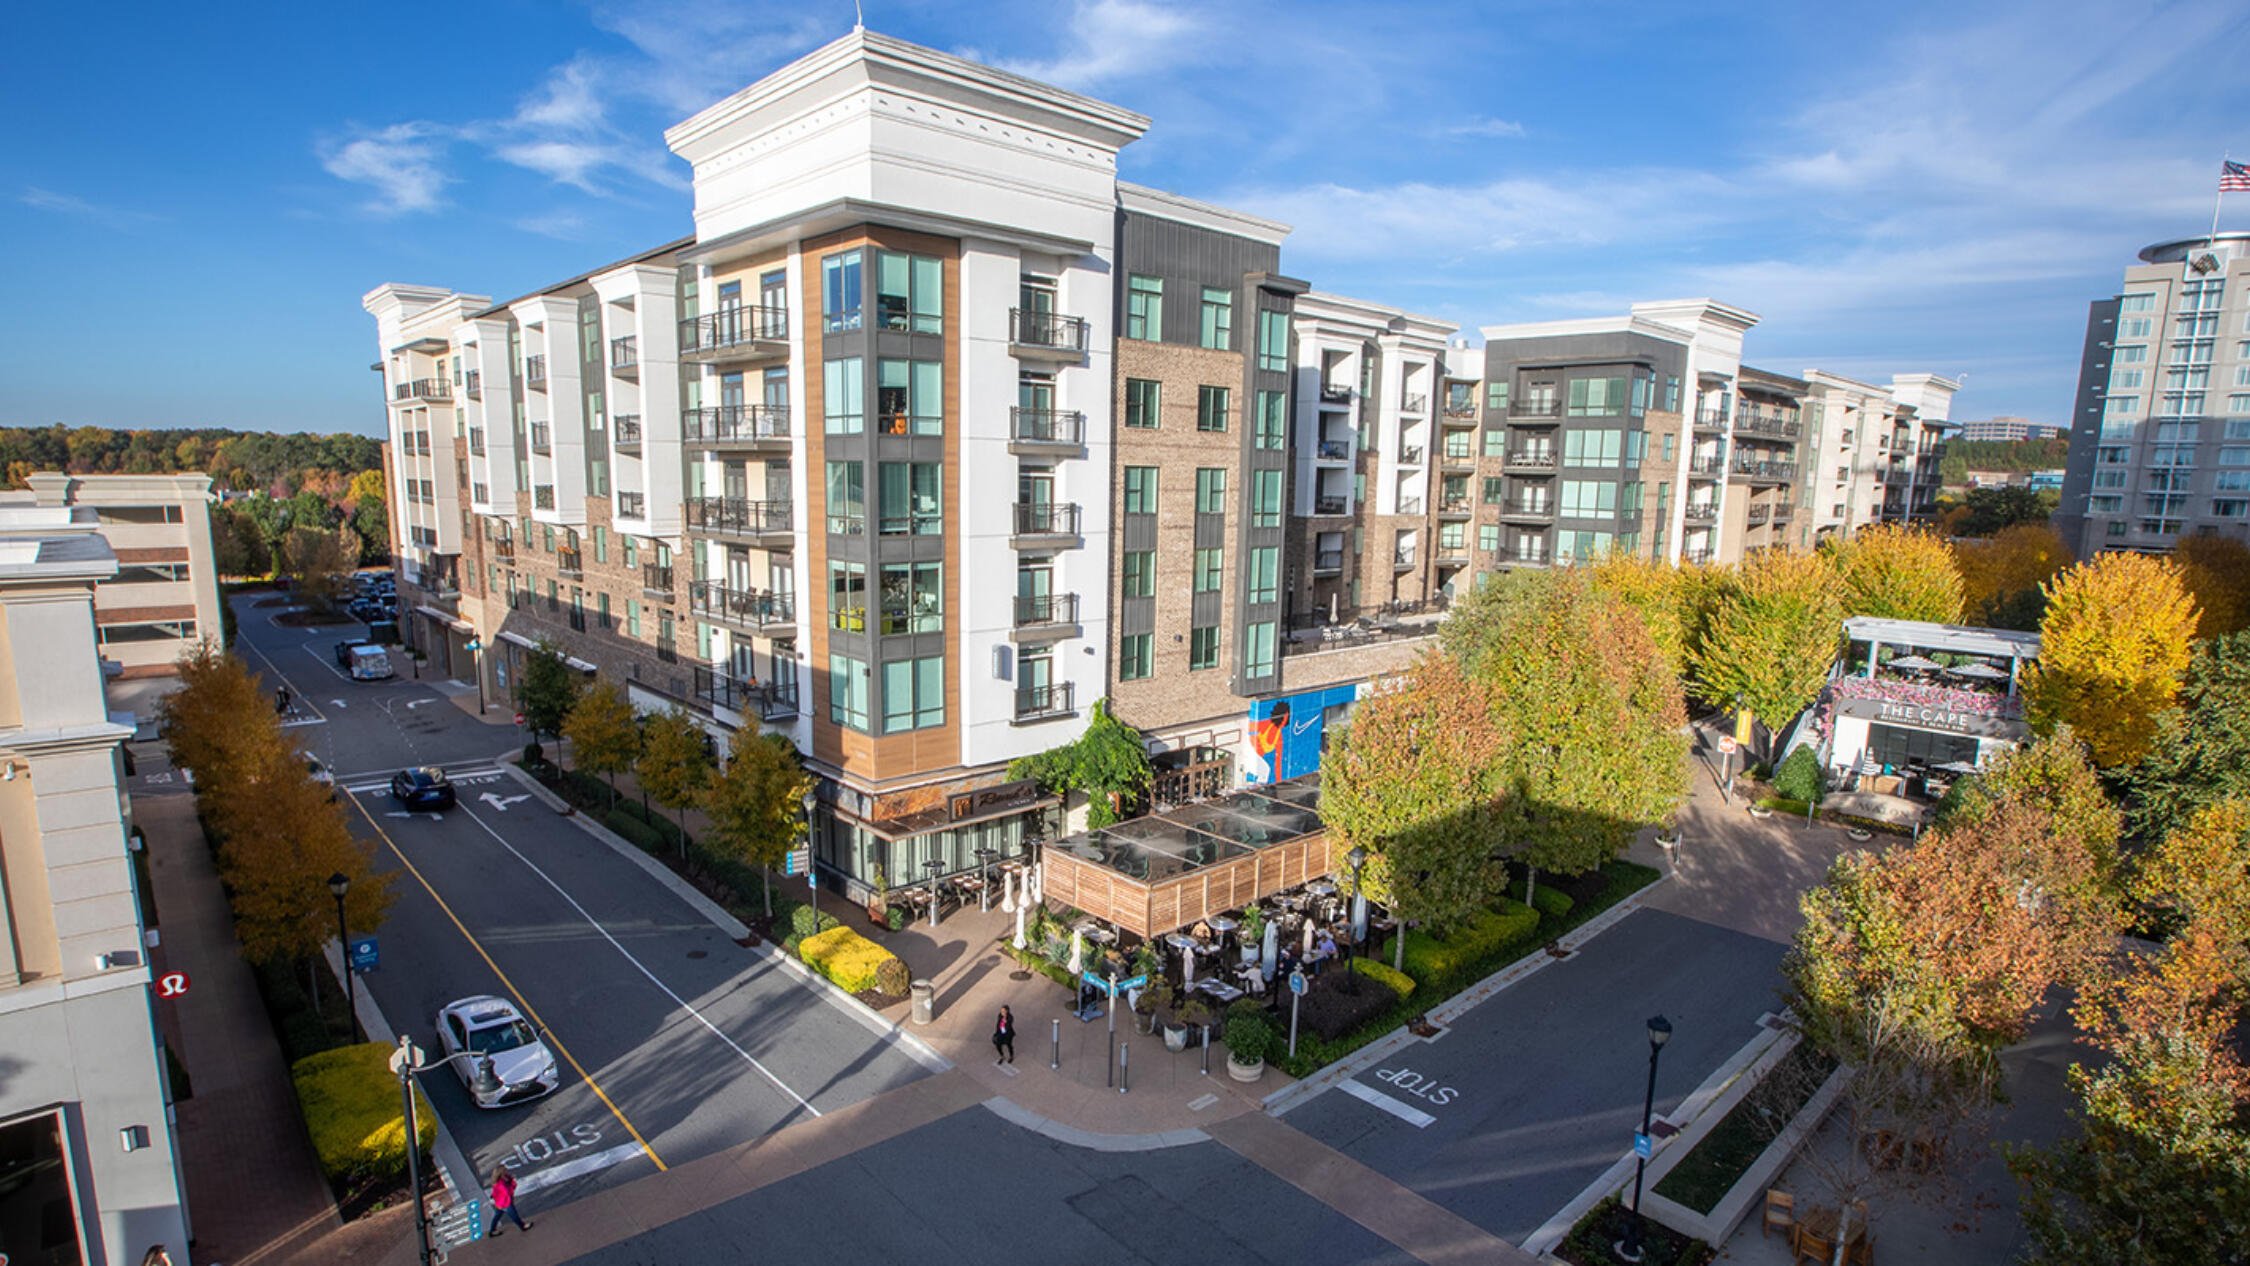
(1149, 910)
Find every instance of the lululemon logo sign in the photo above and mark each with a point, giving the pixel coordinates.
(171, 984)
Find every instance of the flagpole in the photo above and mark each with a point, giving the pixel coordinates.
(2220, 201)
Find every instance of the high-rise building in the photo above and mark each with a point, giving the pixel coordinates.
(2160, 430)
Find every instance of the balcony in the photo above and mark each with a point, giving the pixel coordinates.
(476, 441)
(1043, 703)
(1046, 617)
(535, 372)
(1331, 394)
(1461, 411)
(1331, 505)
(656, 581)
(1451, 556)
(1698, 555)
(1708, 466)
(1410, 505)
(1537, 509)
(1758, 422)
(736, 334)
(543, 497)
(473, 384)
(1328, 562)
(766, 523)
(625, 432)
(1710, 419)
(770, 700)
(1782, 514)
(543, 438)
(1046, 526)
(1402, 560)
(761, 611)
(1334, 450)
(504, 549)
(1702, 512)
(1454, 505)
(1759, 471)
(422, 389)
(632, 505)
(1414, 404)
(737, 426)
(1531, 460)
(625, 356)
(570, 564)
(1046, 335)
(1757, 514)
(1410, 455)
(1523, 554)
(1046, 432)
(1535, 409)
(1344, 628)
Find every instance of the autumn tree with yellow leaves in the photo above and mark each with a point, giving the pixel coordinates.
(1898, 572)
(2113, 648)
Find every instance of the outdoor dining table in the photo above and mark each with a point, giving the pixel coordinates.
(1221, 924)
(1820, 1223)
(1218, 989)
(1321, 888)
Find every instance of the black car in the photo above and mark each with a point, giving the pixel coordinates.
(424, 788)
(344, 650)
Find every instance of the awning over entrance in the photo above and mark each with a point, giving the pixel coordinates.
(447, 619)
(1153, 874)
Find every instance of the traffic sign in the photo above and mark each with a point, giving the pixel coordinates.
(455, 1225)
(405, 1057)
(797, 861)
(365, 955)
(171, 984)
(1297, 982)
(1643, 1146)
(519, 718)
(1728, 745)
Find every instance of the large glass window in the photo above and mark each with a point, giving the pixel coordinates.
(839, 298)
(1211, 490)
(910, 292)
(38, 1210)
(847, 596)
(843, 396)
(1593, 448)
(1596, 397)
(1140, 490)
(1210, 567)
(847, 498)
(1588, 498)
(1140, 573)
(911, 499)
(1143, 399)
(1496, 395)
(1203, 647)
(847, 691)
(1273, 419)
(1218, 318)
(913, 597)
(1144, 307)
(1265, 498)
(1211, 405)
(1265, 574)
(1258, 652)
(910, 397)
(913, 694)
(1136, 656)
(1273, 341)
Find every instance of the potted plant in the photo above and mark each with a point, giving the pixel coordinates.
(1249, 1039)
(1668, 832)
(878, 899)
(1195, 1015)
(1152, 998)
(1252, 932)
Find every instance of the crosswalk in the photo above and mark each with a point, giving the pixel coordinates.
(461, 778)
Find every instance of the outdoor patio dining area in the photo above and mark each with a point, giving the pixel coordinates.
(1912, 707)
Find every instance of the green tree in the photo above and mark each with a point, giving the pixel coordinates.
(1897, 572)
(283, 837)
(1988, 511)
(1107, 763)
(675, 765)
(546, 691)
(1411, 779)
(604, 735)
(1590, 709)
(756, 804)
(2055, 776)
(2112, 651)
(1772, 635)
(2201, 750)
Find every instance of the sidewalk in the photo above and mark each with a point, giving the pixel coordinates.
(254, 1190)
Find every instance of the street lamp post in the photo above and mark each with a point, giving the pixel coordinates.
(1659, 1032)
(339, 884)
(935, 866)
(812, 876)
(984, 877)
(476, 660)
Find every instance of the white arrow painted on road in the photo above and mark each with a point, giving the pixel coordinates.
(416, 703)
(398, 815)
(499, 802)
(338, 702)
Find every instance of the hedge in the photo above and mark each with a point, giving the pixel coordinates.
(805, 923)
(1434, 962)
(1340, 1001)
(351, 1103)
(855, 963)
(1400, 983)
(636, 832)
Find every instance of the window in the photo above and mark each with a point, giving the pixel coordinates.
(1218, 318)
(1588, 498)
(1273, 417)
(1593, 448)
(913, 598)
(1265, 573)
(1143, 398)
(1273, 341)
(1210, 568)
(847, 498)
(2138, 301)
(601, 543)
(913, 694)
(1203, 647)
(911, 500)
(843, 396)
(1144, 307)
(847, 691)
(1669, 446)
(2125, 379)
(632, 617)
(1140, 573)
(2135, 327)
(1211, 408)
(1580, 546)
(547, 536)
(1140, 490)
(910, 292)
(1136, 656)
(602, 603)
(1488, 538)
(1495, 443)
(1596, 397)
(910, 397)
(1210, 490)
(1641, 388)
(1257, 660)
(1671, 394)
(1496, 395)
(2132, 354)
(632, 551)
(1265, 499)
(1495, 490)
(839, 310)
(847, 596)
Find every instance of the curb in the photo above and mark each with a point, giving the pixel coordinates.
(451, 1160)
(912, 1046)
(1016, 1114)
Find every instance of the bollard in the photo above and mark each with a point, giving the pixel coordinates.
(1124, 1068)
(1054, 1057)
(1206, 1050)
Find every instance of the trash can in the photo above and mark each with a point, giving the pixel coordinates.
(925, 1001)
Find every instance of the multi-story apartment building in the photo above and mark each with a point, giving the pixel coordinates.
(164, 595)
(2160, 430)
(1872, 452)
(2007, 429)
(88, 1170)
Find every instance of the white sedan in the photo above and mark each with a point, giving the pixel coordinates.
(495, 1051)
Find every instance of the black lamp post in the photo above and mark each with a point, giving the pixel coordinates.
(339, 884)
(1659, 1032)
(812, 878)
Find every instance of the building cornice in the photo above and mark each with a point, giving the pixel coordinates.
(1142, 200)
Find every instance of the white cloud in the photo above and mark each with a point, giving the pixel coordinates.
(1111, 40)
(75, 206)
(400, 163)
(563, 226)
(1485, 127)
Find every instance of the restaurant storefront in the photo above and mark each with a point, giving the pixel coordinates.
(858, 836)
(1912, 705)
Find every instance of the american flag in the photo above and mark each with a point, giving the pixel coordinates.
(2234, 177)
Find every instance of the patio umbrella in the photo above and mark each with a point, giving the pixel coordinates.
(1979, 671)
(1077, 952)
(1913, 663)
(1019, 942)
(1957, 767)
(1187, 970)
(1008, 899)
(1359, 917)
(1272, 949)
(1308, 934)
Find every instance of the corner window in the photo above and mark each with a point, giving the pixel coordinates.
(843, 396)
(1144, 308)
(910, 292)
(913, 598)
(847, 596)
(912, 502)
(1265, 573)
(839, 307)
(1258, 650)
(847, 499)
(1265, 499)
(1273, 418)
(910, 397)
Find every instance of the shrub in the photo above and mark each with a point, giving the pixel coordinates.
(1434, 962)
(1400, 983)
(844, 956)
(635, 832)
(1339, 1001)
(894, 918)
(1249, 1035)
(1801, 778)
(891, 978)
(804, 922)
(352, 1110)
(1552, 902)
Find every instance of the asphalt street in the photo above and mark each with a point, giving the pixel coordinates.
(1525, 1101)
(673, 1041)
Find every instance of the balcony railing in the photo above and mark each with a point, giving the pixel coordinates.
(737, 424)
(1528, 507)
(1332, 394)
(1701, 512)
(1711, 419)
(535, 372)
(1402, 558)
(1331, 505)
(739, 516)
(543, 497)
(1754, 468)
(632, 505)
(1782, 514)
(423, 389)
(1451, 555)
(1535, 407)
(1038, 610)
(745, 608)
(1528, 555)
(734, 327)
(1461, 409)
(1414, 404)
(1754, 422)
(1336, 450)
(1410, 455)
(1051, 700)
(625, 429)
(1698, 555)
(473, 383)
(656, 580)
(1532, 458)
(625, 353)
(1757, 514)
(1051, 331)
(1047, 426)
(771, 700)
(1342, 628)
(1710, 466)
(1454, 503)
(504, 549)
(569, 562)
(1410, 505)
(1046, 519)
(542, 437)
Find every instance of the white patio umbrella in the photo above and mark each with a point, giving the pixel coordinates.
(1008, 894)
(1913, 663)
(1957, 767)
(1273, 949)
(1187, 970)
(1308, 935)
(1019, 928)
(1077, 952)
(1979, 671)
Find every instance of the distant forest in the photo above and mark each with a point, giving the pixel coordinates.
(1963, 456)
(237, 461)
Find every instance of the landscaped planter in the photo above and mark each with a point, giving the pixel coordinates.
(1245, 1072)
(1175, 1037)
(1760, 811)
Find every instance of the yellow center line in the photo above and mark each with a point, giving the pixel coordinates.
(510, 985)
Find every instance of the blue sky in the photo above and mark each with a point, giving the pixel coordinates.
(192, 206)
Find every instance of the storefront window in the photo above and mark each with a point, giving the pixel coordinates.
(38, 1215)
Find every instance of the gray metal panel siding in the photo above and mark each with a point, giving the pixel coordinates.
(1189, 258)
(2086, 424)
(1136, 615)
(1255, 459)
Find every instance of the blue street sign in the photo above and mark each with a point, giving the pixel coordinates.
(1643, 1146)
(1297, 982)
(364, 954)
(796, 861)
(1102, 982)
